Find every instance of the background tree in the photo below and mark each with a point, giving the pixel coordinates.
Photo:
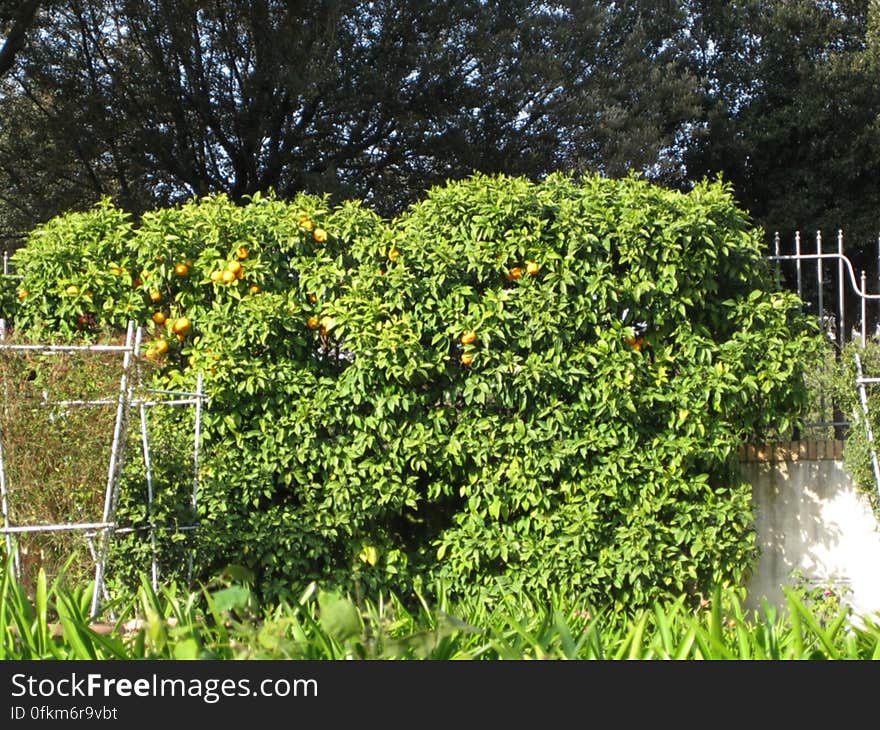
(151, 101)
(791, 112)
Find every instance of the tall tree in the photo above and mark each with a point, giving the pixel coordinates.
(792, 113)
(151, 101)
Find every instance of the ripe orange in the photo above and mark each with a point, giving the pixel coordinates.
(227, 276)
(393, 253)
(181, 269)
(312, 322)
(23, 294)
(155, 295)
(467, 358)
(150, 354)
(532, 268)
(312, 299)
(72, 290)
(320, 235)
(216, 275)
(159, 317)
(181, 326)
(514, 273)
(307, 223)
(254, 289)
(242, 252)
(234, 267)
(161, 346)
(468, 337)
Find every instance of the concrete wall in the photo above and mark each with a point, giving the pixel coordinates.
(810, 518)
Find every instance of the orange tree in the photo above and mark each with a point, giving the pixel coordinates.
(513, 384)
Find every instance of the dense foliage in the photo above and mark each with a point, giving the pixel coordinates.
(512, 385)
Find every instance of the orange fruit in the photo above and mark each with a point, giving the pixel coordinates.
(228, 276)
(242, 252)
(306, 222)
(155, 295)
(181, 326)
(159, 317)
(150, 354)
(320, 235)
(216, 275)
(468, 337)
(161, 346)
(312, 299)
(23, 294)
(514, 273)
(393, 253)
(72, 290)
(234, 267)
(467, 358)
(532, 268)
(180, 337)
(181, 269)
(254, 289)
(313, 322)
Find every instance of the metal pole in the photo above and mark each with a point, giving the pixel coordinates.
(197, 440)
(148, 469)
(776, 252)
(864, 309)
(5, 504)
(116, 457)
(820, 280)
(797, 252)
(841, 330)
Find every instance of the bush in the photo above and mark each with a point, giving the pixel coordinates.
(511, 386)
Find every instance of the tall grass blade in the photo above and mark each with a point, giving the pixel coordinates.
(76, 631)
(795, 605)
(631, 647)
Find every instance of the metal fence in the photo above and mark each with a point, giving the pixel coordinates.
(827, 283)
(132, 395)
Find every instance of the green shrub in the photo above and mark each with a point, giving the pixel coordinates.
(626, 339)
(78, 274)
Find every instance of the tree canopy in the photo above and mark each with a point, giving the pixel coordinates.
(153, 101)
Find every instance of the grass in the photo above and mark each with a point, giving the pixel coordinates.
(223, 621)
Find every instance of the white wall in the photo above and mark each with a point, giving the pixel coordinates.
(810, 517)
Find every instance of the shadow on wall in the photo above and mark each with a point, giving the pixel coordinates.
(813, 523)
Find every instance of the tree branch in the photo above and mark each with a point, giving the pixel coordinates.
(21, 22)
